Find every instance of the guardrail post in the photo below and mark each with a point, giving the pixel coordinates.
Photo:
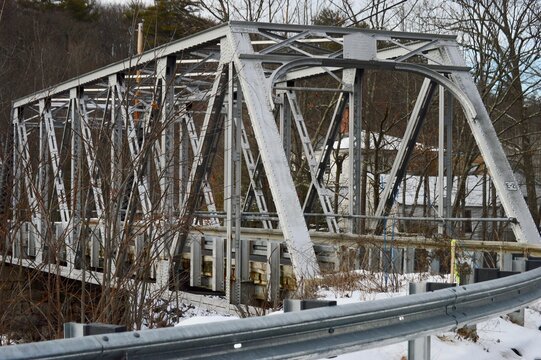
(517, 265)
(419, 349)
(72, 329)
(298, 305)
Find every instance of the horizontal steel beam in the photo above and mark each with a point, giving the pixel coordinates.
(201, 38)
(300, 61)
(325, 238)
(382, 54)
(308, 334)
(257, 215)
(213, 34)
(258, 26)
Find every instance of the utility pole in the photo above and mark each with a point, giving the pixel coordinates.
(140, 38)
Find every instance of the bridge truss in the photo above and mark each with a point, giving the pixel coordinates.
(114, 169)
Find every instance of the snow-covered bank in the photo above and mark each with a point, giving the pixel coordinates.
(499, 338)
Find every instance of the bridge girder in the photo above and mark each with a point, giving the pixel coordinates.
(140, 186)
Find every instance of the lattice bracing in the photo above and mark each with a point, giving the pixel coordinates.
(127, 161)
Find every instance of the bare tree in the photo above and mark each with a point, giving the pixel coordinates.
(502, 40)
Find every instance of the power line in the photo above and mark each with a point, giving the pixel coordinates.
(378, 12)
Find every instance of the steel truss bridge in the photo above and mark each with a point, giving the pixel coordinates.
(180, 159)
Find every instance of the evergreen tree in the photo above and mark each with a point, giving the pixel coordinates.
(167, 20)
(81, 10)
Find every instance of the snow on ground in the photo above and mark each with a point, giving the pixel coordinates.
(199, 319)
(499, 338)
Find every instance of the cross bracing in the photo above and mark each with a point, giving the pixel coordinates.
(115, 167)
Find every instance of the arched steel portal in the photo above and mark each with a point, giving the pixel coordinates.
(466, 94)
(114, 167)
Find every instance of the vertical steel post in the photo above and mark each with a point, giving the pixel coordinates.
(228, 193)
(14, 236)
(243, 247)
(441, 156)
(232, 197)
(165, 75)
(165, 71)
(40, 227)
(360, 47)
(355, 152)
(115, 188)
(75, 175)
(183, 172)
(285, 124)
(448, 168)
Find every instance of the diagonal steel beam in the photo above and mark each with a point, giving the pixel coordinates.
(135, 148)
(55, 162)
(63, 208)
(328, 147)
(79, 103)
(25, 171)
(483, 131)
(404, 152)
(210, 133)
(313, 164)
(259, 105)
(283, 42)
(205, 185)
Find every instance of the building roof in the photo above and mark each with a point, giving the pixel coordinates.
(474, 190)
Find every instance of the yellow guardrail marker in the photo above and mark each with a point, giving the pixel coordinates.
(455, 275)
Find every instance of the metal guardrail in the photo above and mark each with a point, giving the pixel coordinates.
(306, 334)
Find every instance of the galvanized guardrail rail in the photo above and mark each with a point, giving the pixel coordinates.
(307, 334)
